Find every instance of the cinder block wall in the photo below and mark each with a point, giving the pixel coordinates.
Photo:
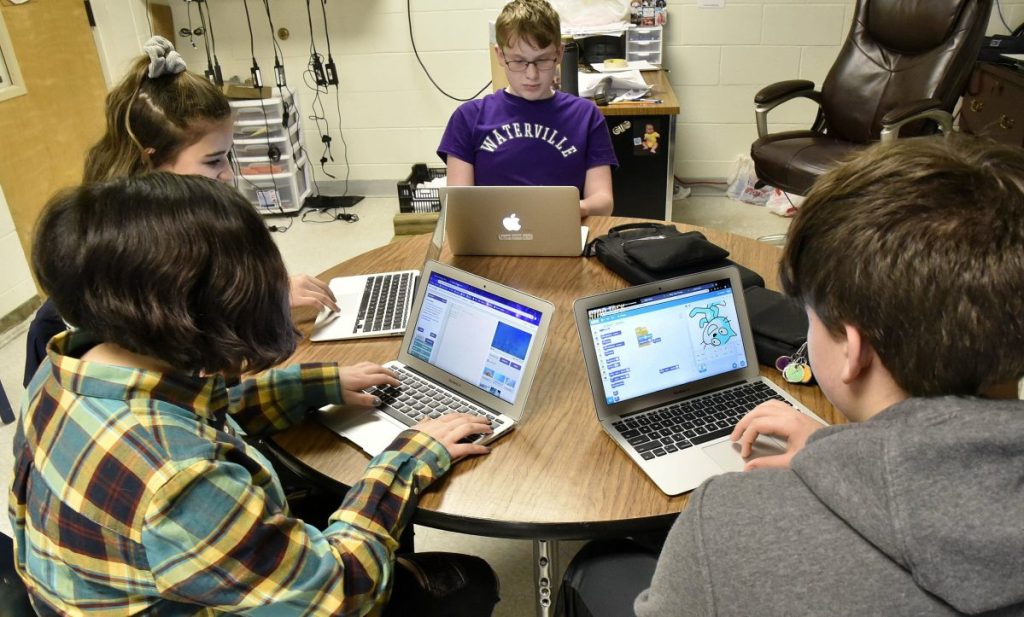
(392, 116)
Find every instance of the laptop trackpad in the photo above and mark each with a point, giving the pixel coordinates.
(370, 429)
(727, 453)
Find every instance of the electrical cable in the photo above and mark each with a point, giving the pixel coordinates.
(314, 55)
(278, 67)
(999, 9)
(330, 68)
(315, 79)
(218, 74)
(206, 43)
(273, 153)
(344, 144)
(191, 32)
(412, 39)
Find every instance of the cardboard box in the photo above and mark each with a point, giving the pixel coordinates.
(243, 91)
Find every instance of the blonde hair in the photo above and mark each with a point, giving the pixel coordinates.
(151, 119)
(532, 20)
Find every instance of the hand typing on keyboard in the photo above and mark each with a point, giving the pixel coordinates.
(359, 377)
(305, 290)
(777, 419)
(451, 429)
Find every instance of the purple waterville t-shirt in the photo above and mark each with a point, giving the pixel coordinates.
(511, 141)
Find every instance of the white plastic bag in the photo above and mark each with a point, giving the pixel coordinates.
(742, 183)
(782, 203)
(587, 13)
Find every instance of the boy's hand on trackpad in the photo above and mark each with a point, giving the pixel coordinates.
(776, 419)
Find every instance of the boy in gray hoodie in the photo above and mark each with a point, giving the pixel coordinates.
(909, 261)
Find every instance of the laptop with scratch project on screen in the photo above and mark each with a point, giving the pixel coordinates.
(672, 369)
(472, 346)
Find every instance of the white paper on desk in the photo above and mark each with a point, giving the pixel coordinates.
(628, 80)
(633, 65)
(369, 429)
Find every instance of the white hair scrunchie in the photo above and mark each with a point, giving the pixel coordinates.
(163, 60)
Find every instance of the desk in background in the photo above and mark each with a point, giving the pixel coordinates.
(557, 476)
(643, 182)
(993, 104)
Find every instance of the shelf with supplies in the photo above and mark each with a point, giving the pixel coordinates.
(271, 167)
(644, 43)
(278, 192)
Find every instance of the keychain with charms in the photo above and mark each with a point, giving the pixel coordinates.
(795, 368)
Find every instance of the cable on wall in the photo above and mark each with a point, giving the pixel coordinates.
(318, 77)
(214, 72)
(273, 152)
(999, 9)
(412, 39)
(329, 66)
(206, 40)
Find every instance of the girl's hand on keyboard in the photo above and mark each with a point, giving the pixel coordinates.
(777, 419)
(305, 290)
(449, 429)
(358, 377)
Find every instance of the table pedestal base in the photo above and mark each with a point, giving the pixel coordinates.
(545, 569)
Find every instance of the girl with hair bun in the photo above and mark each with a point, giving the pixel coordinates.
(160, 117)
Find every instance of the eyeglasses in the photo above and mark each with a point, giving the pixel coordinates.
(542, 64)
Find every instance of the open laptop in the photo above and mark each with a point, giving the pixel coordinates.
(373, 304)
(672, 368)
(539, 221)
(474, 346)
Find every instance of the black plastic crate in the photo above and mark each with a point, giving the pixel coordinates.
(412, 199)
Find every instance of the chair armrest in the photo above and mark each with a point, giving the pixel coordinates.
(914, 111)
(782, 89)
(773, 95)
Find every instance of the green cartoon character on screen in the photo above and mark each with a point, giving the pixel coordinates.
(717, 330)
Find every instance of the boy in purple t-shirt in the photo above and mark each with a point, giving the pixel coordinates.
(529, 133)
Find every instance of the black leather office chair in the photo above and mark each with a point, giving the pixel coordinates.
(13, 595)
(901, 71)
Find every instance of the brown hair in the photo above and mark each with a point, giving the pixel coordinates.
(165, 114)
(179, 268)
(532, 20)
(920, 246)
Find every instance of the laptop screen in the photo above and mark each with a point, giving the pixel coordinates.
(667, 339)
(475, 335)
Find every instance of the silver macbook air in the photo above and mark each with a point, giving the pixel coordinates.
(373, 304)
(514, 220)
(672, 369)
(474, 346)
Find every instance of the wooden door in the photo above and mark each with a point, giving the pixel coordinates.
(45, 133)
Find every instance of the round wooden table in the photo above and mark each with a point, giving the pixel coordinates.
(557, 475)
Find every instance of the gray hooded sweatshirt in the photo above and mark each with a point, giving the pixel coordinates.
(918, 511)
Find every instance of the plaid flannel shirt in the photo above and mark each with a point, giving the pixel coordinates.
(131, 495)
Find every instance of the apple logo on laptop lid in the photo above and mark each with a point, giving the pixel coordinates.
(511, 222)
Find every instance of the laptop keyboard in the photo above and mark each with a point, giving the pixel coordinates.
(418, 399)
(680, 425)
(384, 303)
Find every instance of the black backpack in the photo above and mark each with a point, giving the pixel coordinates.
(646, 252)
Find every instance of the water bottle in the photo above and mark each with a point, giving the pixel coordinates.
(570, 66)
